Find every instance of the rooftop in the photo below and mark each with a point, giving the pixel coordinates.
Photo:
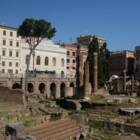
(7, 27)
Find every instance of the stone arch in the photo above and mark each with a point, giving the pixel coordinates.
(41, 88)
(62, 90)
(53, 90)
(16, 86)
(30, 88)
(81, 137)
(72, 84)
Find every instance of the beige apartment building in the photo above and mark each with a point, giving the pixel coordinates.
(9, 51)
(14, 50)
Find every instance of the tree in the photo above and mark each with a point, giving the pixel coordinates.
(103, 60)
(34, 31)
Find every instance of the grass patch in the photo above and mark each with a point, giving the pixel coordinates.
(100, 132)
(29, 123)
(98, 98)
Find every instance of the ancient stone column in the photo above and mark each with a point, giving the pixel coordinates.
(81, 70)
(124, 81)
(87, 85)
(86, 72)
(77, 68)
(132, 85)
(95, 72)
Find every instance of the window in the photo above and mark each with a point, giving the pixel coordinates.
(4, 32)
(4, 42)
(38, 60)
(11, 33)
(10, 53)
(3, 53)
(10, 71)
(73, 53)
(68, 60)
(17, 54)
(3, 70)
(73, 60)
(11, 43)
(3, 63)
(54, 61)
(16, 71)
(10, 64)
(68, 53)
(46, 61)
(62, 62)
(17, 44)
(17, 64)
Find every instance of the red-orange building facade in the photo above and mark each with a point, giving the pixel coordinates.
(71, 58)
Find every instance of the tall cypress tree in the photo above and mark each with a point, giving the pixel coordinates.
(104, 63)
(103, 60)
(93, 47)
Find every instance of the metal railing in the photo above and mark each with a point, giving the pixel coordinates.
(49, 76)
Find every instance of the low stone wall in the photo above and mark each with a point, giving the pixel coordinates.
(119, 127)
(98, 106)
(10, 95)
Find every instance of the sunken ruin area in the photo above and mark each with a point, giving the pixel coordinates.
(100, 117)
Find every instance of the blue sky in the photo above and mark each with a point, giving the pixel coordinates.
(117, 21)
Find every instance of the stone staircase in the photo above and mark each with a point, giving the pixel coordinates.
(63, 129)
